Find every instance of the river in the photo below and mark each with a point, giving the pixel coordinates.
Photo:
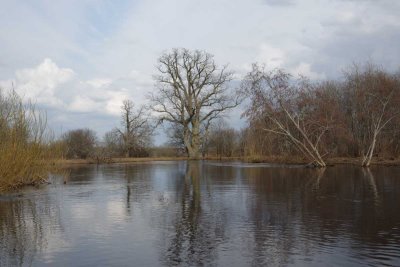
(205, 213)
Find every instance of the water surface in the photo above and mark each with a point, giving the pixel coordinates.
(205, 213)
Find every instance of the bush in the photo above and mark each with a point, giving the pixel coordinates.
(26, 152)
(80, 143)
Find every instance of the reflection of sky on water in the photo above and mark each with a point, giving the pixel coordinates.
(191, 213)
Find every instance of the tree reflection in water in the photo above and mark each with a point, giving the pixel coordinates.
(25, 225)
(285, 214)
(138, 184)
(196, 225)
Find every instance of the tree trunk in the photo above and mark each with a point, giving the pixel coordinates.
(192, 145)
(195, 147)
(368, 157)
(192, 141)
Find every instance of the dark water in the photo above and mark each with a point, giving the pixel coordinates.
(189, 214)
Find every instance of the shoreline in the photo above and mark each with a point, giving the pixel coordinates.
(278, 160)
(65, 163)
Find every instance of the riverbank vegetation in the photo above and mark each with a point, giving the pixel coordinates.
(357, 116)
(26, 152)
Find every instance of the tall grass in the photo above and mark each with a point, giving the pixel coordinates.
(26, 151)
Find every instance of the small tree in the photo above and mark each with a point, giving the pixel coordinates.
(373, 99)
(80, 143)
(136, 130)
(192, 91)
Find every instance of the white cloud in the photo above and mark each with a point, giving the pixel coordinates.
(41, 82)
(83, 104)
(52, 86)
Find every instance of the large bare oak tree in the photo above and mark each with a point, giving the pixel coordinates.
(192, 90)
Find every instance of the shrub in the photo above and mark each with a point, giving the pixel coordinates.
(26, 154)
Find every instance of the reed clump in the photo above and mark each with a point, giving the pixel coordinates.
(27, 153)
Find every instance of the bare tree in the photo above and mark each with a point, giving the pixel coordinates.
(285, 107)
(373, 97)
(80, 143)
(136, 129)
(222, 139)
(113, 144)
(191, 92)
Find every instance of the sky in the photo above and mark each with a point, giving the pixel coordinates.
(79, 59)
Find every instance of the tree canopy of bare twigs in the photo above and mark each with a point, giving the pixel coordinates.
(372, 101)
(287, 107)
(135, 132)
(80, 143)
(191, 92)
